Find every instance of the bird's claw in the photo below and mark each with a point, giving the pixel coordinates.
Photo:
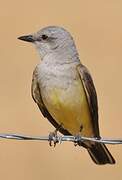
(77, 139)
(53, 138)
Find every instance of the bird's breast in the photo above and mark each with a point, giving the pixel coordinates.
(60, 86)
(64, 96)
(56, 76)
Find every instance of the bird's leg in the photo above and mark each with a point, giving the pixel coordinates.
(78, 137)
(53, 136)
(78, 140)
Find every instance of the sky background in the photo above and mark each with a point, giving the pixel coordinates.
(97, 30)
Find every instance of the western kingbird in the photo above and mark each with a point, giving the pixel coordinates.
(64, 90)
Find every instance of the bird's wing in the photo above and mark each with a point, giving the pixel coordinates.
(91, 96)
(36, 94)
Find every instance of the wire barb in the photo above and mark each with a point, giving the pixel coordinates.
(60, 139)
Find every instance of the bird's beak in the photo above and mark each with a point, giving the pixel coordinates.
(28, 38)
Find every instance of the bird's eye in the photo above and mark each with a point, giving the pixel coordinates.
(44, 37)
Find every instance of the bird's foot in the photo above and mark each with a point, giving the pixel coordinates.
(53, 138)
(77, 139)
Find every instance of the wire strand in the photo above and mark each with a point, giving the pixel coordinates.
(60, 139)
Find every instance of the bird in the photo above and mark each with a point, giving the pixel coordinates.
(64, 90)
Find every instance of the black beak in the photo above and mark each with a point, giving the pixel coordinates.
(28, 38)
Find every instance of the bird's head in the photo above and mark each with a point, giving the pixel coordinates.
(50, 39)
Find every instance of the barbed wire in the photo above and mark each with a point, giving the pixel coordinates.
(60, 139)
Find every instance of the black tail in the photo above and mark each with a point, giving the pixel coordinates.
(100, 154)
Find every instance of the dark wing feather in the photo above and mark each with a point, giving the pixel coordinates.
(91, 96)
(36, 94)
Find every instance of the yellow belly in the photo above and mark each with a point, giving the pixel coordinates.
(69, 107)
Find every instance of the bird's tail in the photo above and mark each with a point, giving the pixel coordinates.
(100, 154)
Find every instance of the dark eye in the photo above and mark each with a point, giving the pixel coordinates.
(44, 37)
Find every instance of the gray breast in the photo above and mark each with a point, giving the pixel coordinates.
(56, 75)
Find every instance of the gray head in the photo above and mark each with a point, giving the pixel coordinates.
(51, 39)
